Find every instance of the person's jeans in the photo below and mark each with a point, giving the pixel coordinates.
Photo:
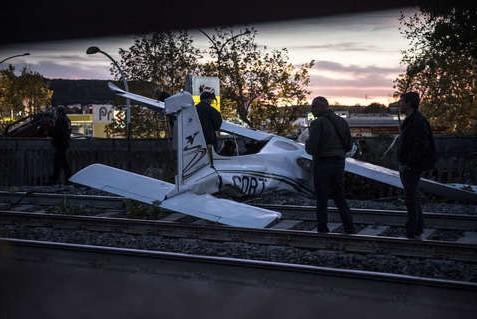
(329, 182)
(410, 181)
(60, 163)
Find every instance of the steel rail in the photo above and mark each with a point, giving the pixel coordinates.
(339, 272)
(17, 198)
(381, 216)
(210, 285)
(291, 212)
(360, 244)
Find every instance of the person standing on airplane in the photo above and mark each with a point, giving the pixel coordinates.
(329, 140)
(210, 118)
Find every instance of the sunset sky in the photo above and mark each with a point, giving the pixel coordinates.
(357, 55)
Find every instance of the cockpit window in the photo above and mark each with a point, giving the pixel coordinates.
(233, 145)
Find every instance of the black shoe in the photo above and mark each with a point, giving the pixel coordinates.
(323, 229)
(350, 231)
(413, 235)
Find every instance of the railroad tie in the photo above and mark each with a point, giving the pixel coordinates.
(173, 217)
(108, 213)
(333, 227)
(373, 230)
(201, 222)
(286, 224)
(24, 208)
(470, 237)
(427, 232)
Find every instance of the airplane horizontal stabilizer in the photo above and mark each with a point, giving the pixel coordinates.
(221, 210)
(120, 182)
(150, 103)
(152, 191)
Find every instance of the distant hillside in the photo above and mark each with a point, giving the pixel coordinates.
(66, 92)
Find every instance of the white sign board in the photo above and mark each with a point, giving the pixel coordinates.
(103, 113)
(198, 84)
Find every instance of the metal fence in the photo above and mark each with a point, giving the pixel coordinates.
(30, 161)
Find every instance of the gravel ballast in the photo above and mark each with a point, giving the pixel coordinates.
(433, 268)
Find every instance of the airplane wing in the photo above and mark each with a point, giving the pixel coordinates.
(232, 128)
(391, 177)
(374, 172)
(150, 103)
(152, 191)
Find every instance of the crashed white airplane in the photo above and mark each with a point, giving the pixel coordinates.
(279, 163)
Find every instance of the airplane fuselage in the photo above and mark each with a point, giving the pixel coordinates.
(275, 167)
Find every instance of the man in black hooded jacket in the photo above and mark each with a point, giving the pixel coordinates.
(61, 142)
(210, 118)
(416, 153)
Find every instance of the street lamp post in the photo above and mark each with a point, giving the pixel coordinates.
(94, 50)
(14, 56)
(219, 49)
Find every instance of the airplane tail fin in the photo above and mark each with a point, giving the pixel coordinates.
(189, 138)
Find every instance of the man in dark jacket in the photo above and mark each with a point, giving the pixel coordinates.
(416, 153)
(329, 140)
(61, 142)
(210, 118)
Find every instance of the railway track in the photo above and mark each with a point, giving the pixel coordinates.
(42, 201)
(183, 285)
(387, 223)
(376, 253)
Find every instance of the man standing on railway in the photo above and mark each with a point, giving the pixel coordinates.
(329, 140)
(416, 153)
